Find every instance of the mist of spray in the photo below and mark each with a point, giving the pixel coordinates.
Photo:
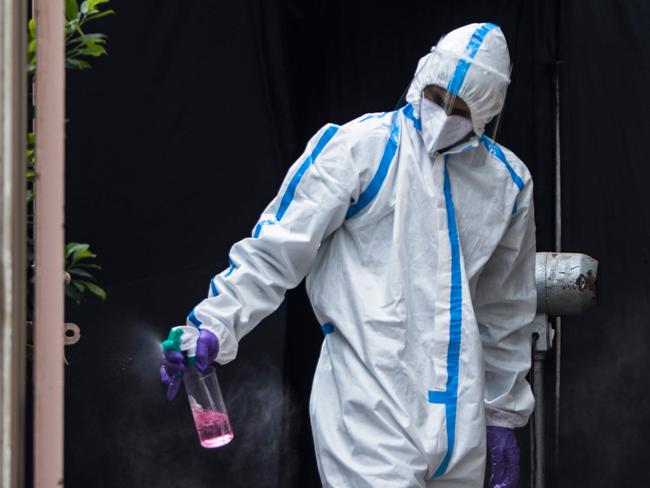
(261, 414)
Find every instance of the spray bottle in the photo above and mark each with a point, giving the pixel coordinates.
(203, 392)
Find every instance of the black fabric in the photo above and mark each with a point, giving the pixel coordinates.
(606, 397)
(179, 138)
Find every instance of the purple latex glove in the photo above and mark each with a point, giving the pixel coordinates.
(171, 372)
(504, 457)
(207, 349)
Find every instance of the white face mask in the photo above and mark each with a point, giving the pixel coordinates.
(440, 130)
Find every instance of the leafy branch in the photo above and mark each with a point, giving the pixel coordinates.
(79, 269)
(78, 43)
(80, 46)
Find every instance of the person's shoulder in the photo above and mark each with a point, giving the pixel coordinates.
(518, 170)
(360, 142)
(367, 128)
(372, 119)
(364, 130)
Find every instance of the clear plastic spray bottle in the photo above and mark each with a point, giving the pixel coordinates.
(203, 392)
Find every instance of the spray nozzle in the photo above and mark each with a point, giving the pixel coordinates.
(183, 338)
(173, 342)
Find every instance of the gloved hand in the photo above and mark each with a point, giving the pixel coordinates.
(175, 363)
(504, 457)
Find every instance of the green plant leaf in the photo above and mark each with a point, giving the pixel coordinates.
(71, 9)
(93, 3)
(95, 289)
(79, 285)
(92, 50)
(93, 42)
(84, 7)
(101, 14)
(80, 272)
(72, 247)
(89, 266)
(32, 28)
(77, 64)
(71, 27)
(80, 255)
(72, 293)
(96, 38)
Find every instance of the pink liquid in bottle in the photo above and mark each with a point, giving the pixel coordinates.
(213, 427)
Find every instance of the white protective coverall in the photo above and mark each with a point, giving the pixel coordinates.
(420, 270)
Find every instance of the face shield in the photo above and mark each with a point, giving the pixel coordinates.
(468, 69)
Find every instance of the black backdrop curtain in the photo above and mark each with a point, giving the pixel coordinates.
(178, 139)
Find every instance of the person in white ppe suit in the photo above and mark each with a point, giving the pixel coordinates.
(416, 235)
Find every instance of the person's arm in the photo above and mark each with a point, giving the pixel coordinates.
(505, 305)
(310, 205)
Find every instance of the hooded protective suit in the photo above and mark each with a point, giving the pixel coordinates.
(420, 270)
